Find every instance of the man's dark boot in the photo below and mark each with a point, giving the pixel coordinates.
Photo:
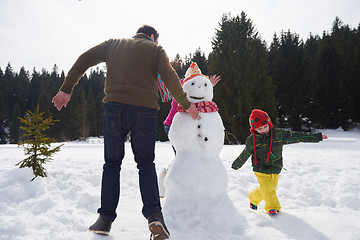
(102, 225)
(157, 226)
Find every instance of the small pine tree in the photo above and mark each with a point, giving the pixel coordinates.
(36, 143)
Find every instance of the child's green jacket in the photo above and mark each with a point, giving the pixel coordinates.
(281, 137)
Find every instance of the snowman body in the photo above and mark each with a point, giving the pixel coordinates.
(196, 182)
(197, 174)
(197, 168)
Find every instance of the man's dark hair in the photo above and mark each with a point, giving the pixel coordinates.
(148, 30)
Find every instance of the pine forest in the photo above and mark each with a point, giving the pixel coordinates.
(302, 84)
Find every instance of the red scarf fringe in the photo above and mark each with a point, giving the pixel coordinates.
(204, 106)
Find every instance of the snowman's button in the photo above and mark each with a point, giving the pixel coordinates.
(206, 139)
(199, 135)
(198, 126)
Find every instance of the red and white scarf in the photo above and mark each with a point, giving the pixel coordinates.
(204, 106)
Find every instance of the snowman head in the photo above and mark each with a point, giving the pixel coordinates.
(198, 87)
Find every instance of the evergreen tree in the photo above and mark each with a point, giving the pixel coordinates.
(22, 89)
(58, 130)
(1, 78)
(44, 100)
(74, 112)
(14, 126)
(3, 118)
(37, 144)
(348, 48)
(288, 70)
(54, 74)
(10, 87)
(317, 83)
(329, 93)
(84, 111)
(199, 57)
(355, 86)
(3, 110)
(34, 89)
(17, 91)
(99, 112)
(240, 57)
(311, 48)
(96, 84)
(92, 114)
(177, 62)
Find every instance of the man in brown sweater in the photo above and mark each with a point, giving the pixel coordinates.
(130, 105)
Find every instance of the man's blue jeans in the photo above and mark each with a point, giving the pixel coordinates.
(141, 122)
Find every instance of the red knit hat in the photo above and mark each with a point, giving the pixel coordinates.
(259, 118)
(192, 72)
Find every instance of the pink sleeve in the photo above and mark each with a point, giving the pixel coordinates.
(169, 118)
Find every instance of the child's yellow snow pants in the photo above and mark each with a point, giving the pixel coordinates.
(266, 191)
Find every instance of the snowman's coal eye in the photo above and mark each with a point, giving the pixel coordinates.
(205, 84)
(192, 83)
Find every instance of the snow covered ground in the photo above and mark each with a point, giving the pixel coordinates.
(319, 193)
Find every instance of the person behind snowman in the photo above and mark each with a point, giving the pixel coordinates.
(265, 145)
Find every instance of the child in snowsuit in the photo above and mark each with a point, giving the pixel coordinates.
(265, 145)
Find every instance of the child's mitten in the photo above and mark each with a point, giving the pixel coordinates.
(236, 164)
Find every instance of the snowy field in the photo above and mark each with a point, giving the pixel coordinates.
(319, 193)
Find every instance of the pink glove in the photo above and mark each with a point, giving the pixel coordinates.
(193, 111)
(61, 99)
(214, 79)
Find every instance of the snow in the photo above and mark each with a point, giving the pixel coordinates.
(319, 193)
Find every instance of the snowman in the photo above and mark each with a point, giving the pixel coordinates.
(196, 182)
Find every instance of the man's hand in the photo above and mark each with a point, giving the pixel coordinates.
(193, 111)
(61, 99)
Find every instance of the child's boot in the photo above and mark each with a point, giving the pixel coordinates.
(273, 212)
(253, 207)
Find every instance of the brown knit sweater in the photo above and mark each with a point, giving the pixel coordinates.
(132, 67)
